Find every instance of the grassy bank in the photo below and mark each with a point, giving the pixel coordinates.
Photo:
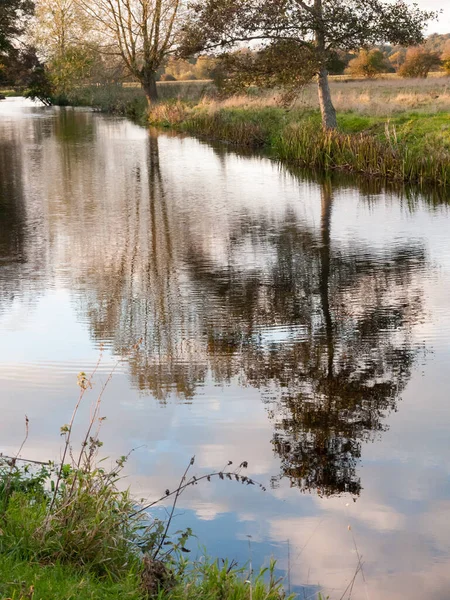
(24, 580)
(412, 147)
(89, 543)
(70, 531)
(10, 93)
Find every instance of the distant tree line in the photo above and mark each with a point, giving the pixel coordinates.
(415, 61)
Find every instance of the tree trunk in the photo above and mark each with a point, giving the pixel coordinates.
(150, 89)
(327, 109)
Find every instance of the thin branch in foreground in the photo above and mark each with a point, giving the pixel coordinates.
(231, 475)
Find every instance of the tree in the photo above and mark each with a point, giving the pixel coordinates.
(60, 25)
(316, 27)
(270, 67)
(23, 68)
(419, 62)
(397, 58)
(446, 57)
(369, 63)
(337, 62)
(61, 32)
(141, 32)
(18, 62)
(13, 14)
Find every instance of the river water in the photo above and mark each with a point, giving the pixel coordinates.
(300, 324)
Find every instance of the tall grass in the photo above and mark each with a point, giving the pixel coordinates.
(208, 580)
(378, 97)
(129, 100)
(390, 159)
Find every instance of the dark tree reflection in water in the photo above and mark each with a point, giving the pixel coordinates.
(349, 355)
(22, 255)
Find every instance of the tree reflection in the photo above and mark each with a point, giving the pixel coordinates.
(136, 294)
(344, 351)
(14, 242)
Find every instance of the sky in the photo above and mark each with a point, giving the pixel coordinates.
(442, 25)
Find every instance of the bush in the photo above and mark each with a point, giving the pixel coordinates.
(419, 62)
(167, 77)
(446, 57)
(369, 63)
(188, 76)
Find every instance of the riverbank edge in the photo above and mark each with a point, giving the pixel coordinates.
(411, 148)
(68, 531)
(28, 579)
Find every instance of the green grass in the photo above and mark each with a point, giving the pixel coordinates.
(130, 100)
(61, 582)
(209, 581)
(9, 93)
(206, 580)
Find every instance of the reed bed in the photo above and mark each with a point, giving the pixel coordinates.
(362, 153)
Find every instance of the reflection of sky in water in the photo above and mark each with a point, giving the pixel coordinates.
(226, 215)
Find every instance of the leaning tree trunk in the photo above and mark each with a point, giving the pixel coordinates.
(150, 89)
(327, 109)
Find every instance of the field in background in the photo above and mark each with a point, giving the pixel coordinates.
(382, 96)
(390, 95)
(378, 97)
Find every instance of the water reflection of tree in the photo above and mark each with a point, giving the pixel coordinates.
(21, 255)
(12, 210)
(136, 294)
(345, 352)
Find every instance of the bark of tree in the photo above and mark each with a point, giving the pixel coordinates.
(327, 109)
(150, 88)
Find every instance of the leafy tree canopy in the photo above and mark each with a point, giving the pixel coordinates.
(345, 24)
(318, 27)
(419, 62)
(369, 63)
(12, 21)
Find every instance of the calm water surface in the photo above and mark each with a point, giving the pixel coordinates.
(300, 325)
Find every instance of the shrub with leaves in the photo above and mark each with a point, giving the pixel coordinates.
(419, 62)
(369, 63)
